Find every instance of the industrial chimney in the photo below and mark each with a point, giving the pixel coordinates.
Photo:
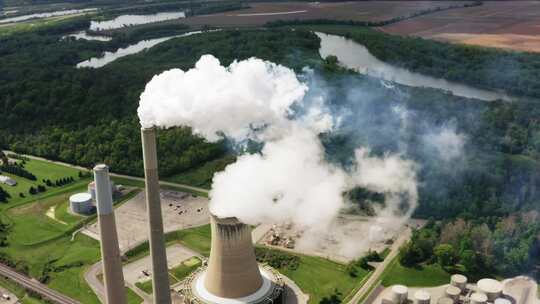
(232, 271)
(160, 275)
(110, 253)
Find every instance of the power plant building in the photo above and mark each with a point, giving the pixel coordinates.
(233, 274)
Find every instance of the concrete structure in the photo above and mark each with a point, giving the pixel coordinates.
(113, 276)
(7, 181)
(160, 275)
(81, 203)
(478, 298)
(422, 297)
(445, 300)
(453, 292)
(92, 189)
(399, 294)
(232, 271)
(459, 281)
(233, 275)
(492, 288)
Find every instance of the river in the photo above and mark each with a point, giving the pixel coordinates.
(108, 57)
(129, 20)
(355, 56)
(46, 15)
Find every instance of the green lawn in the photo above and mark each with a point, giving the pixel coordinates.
(422, 276)
(42, 170)
(30, 224)
(201, 176)
(132, 297)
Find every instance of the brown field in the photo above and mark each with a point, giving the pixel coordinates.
(503, 24)
(260, 13)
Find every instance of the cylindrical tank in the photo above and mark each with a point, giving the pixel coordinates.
(422, 297)
(492, 288)
(81, 203)
(232, 270)
(400, 294)
(92, 189)
(502, 301)
(459, 281)
(453, 292)
(478, 298)
(445, 300)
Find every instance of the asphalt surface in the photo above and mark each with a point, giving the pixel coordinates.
(35, 286)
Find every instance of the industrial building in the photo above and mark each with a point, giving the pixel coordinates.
(233, 274)
(6, 180)
(519, 290)
(82, 203)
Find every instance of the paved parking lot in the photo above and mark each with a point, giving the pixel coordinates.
(180, 211)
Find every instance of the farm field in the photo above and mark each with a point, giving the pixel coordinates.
(263, 12)
(502, 24)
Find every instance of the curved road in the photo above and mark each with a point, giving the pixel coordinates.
(35, 286)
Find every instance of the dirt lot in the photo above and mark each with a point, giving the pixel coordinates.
(504, 24)
(180, 211)
(260, 13)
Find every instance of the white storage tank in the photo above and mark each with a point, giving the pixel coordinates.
(422, 297)
(492, 288)
(445, 300)
(502, 301)
(453, 292)
(400, 294)
(459, 281)
(81, 203)
(92, 189)
(478, 298)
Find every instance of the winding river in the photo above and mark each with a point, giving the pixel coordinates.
(108, 57)
(357, 57)
(46, 15)
(129, 20)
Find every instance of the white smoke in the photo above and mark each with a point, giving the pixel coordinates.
(290, 181)
(214, 99)
(448, 143)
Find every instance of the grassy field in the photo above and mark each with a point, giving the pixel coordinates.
(422, 276)
(177, 274)
(42, 170)
(201, 176)
(30, 224)
(319, 277)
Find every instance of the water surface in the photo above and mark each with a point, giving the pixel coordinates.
(108, 57)
(85, 36)
(128, 20)
(46, 15)
(355, 56)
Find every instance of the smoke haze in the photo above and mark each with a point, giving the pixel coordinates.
(290, 180)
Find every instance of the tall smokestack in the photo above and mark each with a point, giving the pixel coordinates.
(160, 275)
(110, 253)
(232, 271)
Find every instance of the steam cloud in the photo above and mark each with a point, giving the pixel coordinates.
(290, 180)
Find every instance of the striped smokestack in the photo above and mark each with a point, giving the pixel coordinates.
(160, 276)
(110, 253)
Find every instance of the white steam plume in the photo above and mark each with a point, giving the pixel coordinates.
(448, 143)
(211, 98)
(290, 181)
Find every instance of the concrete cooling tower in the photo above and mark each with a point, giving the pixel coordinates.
(233, 274)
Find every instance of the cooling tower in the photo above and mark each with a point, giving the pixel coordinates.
(160, 276)
(232, 271)
(112, 263)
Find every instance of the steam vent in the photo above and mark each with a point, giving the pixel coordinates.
(232, 275)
